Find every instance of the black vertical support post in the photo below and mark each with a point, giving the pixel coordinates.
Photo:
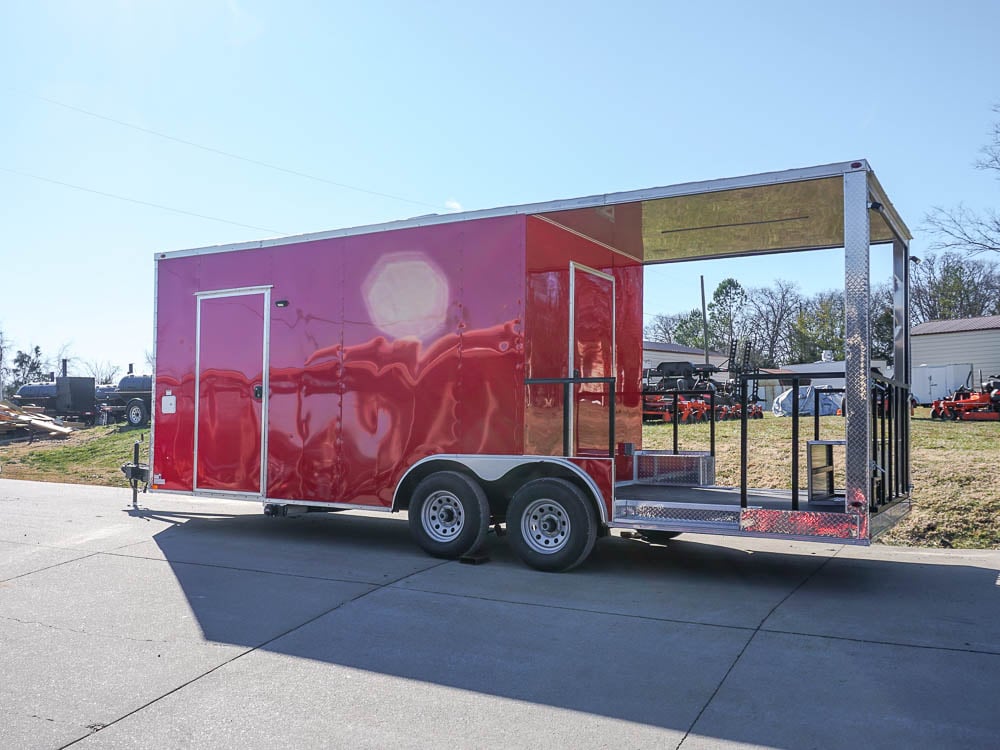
(674, 419)
(566, 422)
(711, 423)
(795, 443)
(873, 501)
(815, 413)
(611, 419)
(890, 463)
(743, 442)
(884, 454)
(133, 480)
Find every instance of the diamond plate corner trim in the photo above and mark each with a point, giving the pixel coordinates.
(857, 359)
(801, 523)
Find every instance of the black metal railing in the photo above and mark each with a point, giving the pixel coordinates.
(567, 384)
(890, 436)
(745, 379)
(675, 414)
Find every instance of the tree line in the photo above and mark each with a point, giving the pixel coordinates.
(788, 327)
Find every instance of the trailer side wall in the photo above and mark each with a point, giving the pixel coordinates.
(384, 348)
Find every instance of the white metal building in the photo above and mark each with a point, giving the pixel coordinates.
(968, 341)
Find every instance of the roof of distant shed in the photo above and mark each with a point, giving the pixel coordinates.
(659, 346)
(985, 323)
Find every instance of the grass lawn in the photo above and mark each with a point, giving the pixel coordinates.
(90, 456)
(956, 494)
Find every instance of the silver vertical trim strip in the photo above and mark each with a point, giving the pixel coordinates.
(153, 401)
(197, 387)
(573, 268)
(266, 385)
(857, 372)
(570, 349)
(265, 292)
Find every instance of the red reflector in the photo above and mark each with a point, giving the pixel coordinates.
(855, 165)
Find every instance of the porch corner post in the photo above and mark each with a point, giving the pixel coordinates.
(857, 355)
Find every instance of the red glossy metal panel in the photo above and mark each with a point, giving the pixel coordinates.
(600, 470)
(628, 359)
(173, 436)
(549, 250)
(592, 348)
(617, 226)
(305, 373)
(230, 392)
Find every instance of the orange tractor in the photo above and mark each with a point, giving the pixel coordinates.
(969, 405)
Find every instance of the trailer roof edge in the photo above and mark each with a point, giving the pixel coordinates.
(591, 201)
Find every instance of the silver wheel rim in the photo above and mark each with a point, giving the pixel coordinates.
(545, 526)
(134, 414)
(443, 516)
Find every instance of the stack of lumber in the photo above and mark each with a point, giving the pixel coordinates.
(16, 421)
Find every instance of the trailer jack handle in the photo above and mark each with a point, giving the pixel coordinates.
(135, 473)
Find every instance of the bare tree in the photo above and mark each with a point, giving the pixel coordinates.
(104, 372)
(4, 346)
(150, 361)
(770, 312)
(952, 286)
(880, 313)
(961, 228)
(64, 352)
(661, 328)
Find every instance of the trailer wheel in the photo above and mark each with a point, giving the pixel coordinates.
(135, 412)
(552, 525)
(449, 514)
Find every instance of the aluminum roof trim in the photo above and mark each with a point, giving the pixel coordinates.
(593, 201)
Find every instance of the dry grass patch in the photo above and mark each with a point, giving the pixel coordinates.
(956, 481)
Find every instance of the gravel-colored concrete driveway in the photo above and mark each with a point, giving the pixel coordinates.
(201, 623)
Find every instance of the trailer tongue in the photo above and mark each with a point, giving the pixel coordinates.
(485, 368)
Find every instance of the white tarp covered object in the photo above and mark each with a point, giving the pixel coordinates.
(829, 403)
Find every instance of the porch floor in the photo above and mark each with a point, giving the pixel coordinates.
(715, 495)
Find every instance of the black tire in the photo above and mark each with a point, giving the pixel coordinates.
(135, 412)
(658, 537)
(934, 414)
(551, 524)
(449, 515)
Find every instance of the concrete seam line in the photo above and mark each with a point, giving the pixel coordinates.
(746, 645)
(954, 649)
(49, 567)
(373, 589)
(648, 618)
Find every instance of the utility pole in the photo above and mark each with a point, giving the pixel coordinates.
(704, 319)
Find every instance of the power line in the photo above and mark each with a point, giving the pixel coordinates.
(137, 201)
(229, 154)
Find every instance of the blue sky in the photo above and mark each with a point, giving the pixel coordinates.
(446, 104)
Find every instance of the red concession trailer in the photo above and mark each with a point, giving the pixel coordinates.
(485, 368)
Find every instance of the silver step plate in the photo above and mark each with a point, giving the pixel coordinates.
(658, 514)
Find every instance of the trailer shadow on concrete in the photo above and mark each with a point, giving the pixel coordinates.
(751, 641)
